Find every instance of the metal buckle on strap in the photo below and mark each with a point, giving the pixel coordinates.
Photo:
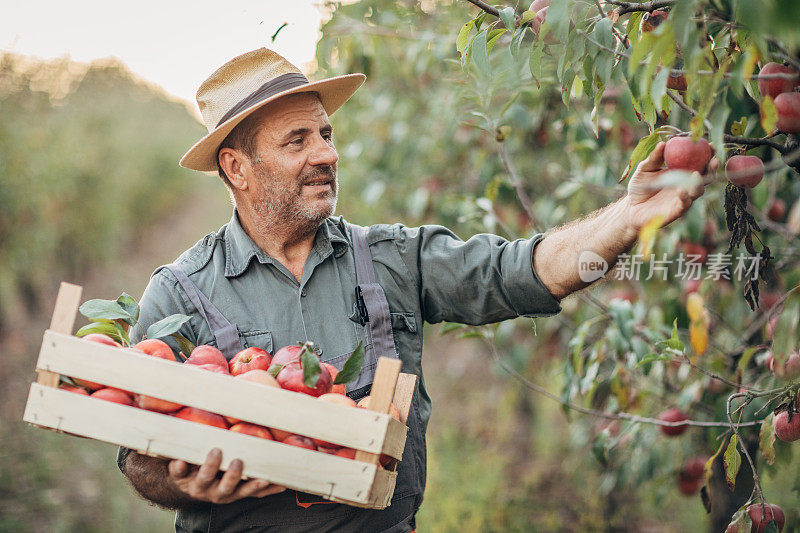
(363, 315)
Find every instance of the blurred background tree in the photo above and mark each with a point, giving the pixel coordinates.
(88, 159)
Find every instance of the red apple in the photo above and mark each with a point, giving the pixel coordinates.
(114, 395)
(685, 154)
(341, 388)
(215, 368)
(762, 516)
(785, 429)
(300, 441)
(673, 415)
(249, 359)
(695, 467)
(536, 5)
(776, 86)
(156, 404)
(788, 106)
(72, 388)
(745, 170)
(776, 210)
(537, 22)
(291, 378)
(205, 355)
(349, 453)
(102, 339)
(769, 298)
(156, 348)
(688, 486)
(256, 376)
(286, 355)
(333, 397)
(694, 251)
(789, 369)
(691, 285)
(194, 414)
(252, 429)
(259, 376)
(280, 435)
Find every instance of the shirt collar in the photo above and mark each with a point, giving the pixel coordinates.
(240, 249)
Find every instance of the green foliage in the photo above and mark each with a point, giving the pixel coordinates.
(89, 140)
(483, 124)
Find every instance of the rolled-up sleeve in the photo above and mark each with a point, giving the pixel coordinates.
(482, 280)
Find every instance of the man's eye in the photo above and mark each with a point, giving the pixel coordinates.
(297, 142)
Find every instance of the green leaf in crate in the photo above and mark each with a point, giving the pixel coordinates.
(166, 326)
(310, 363)
(186, 346)
(352, 367)
(106, 328)
(129, 304)
(105, 310)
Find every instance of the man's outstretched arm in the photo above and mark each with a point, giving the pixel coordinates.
(612, 230)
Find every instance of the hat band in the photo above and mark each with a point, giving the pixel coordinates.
(271, 88)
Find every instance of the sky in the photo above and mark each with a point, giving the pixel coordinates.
(175, 44)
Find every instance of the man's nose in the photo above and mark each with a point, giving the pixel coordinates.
(323, 153)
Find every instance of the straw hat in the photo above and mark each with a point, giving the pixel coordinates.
(243, 85)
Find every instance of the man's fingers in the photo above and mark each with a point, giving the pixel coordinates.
(257, 488)
(655, 160)
(697, 191)
(713, 165)
(178, 469)
(231, 478)
(207, 473)
(270, 490)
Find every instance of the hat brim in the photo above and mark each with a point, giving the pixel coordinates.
(333, 93)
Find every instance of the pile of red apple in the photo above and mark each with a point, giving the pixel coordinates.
(283, 370)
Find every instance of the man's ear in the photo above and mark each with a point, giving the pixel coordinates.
(232, 163)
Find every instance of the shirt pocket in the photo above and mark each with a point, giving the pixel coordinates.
(258, 339)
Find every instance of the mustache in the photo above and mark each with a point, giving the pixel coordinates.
(328, 171)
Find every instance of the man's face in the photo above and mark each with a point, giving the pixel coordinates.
(294, 169)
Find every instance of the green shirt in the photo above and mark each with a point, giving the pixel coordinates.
(428, 274)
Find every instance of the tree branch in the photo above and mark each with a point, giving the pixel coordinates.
(602, 414)
(524, 199)
(630, 7)
(486, 7)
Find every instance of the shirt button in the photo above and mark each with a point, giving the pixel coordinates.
(302, 292)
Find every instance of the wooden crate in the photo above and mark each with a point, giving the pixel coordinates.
(360, 482)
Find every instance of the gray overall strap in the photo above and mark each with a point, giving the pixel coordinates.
(226, 334)
(378, 319)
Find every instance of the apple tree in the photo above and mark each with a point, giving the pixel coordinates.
(517, 118)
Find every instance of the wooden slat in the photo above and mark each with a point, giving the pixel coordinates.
(383, 385)
(156, 434)
(188, 385)
(62, 321)
(404, 394)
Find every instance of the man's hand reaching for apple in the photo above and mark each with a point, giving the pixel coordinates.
(645, 200)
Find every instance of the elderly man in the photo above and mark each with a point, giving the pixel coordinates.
(283, 269)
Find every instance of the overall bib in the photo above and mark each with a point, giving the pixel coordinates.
(294, 511)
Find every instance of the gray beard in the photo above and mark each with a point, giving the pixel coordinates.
(290, 214)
